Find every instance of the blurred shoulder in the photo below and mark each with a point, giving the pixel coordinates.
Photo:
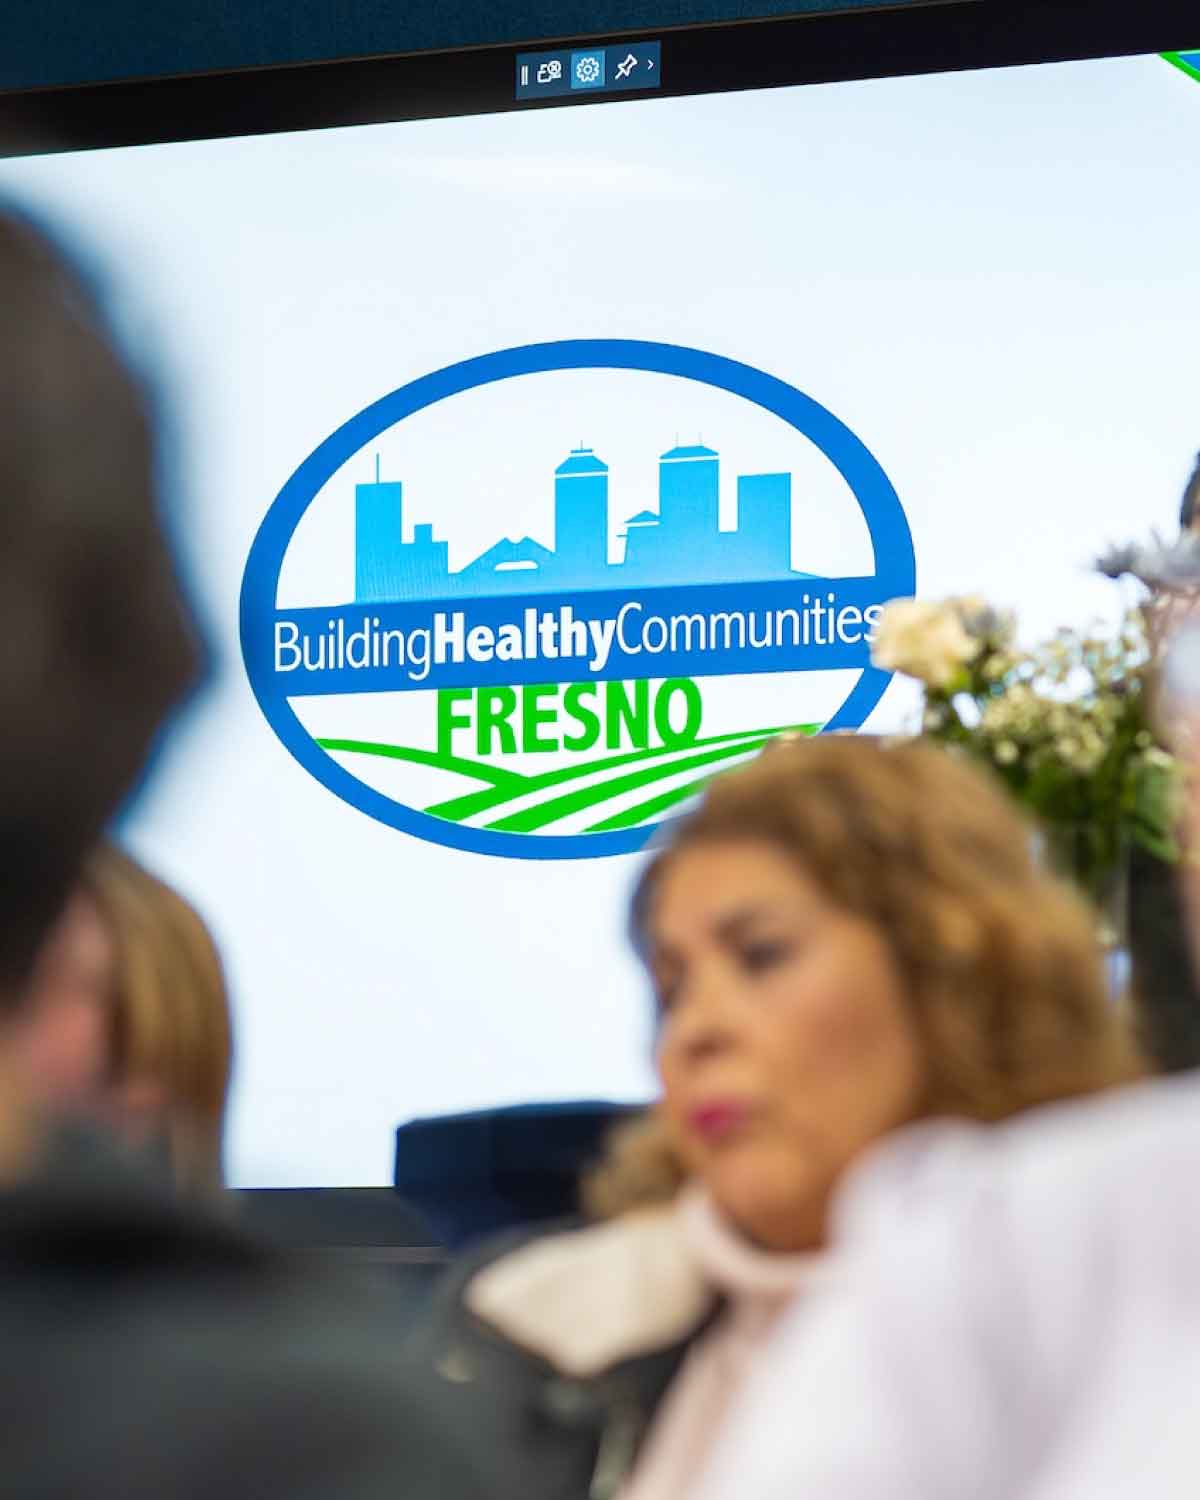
(157, 1341)
(1061, 1169)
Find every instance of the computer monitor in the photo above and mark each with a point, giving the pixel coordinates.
(548, 428)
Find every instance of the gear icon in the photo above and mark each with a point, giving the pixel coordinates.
(587, 70)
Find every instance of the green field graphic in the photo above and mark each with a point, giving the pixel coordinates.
(577, 788)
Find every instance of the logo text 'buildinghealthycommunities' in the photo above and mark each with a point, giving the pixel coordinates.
(401, 646)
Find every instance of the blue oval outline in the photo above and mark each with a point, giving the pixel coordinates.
(891, 539)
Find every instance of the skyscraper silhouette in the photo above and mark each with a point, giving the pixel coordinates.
(688, 495)
(378, 529)
(764, 524)
(581, 513)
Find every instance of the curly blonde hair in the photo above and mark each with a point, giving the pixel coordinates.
(999, 960)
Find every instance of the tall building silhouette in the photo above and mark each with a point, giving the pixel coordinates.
(764, 524)
(686, 539)
(581, 513)
(378, 529)
(689, 494)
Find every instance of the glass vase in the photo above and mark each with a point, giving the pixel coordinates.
(1098, 871)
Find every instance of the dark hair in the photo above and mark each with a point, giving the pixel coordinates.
(96, 642)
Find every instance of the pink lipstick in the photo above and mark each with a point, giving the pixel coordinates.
(716, 1119)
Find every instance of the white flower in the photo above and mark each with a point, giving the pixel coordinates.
(1006, 753)
(922, 640)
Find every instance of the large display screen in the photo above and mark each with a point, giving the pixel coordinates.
(534, 468)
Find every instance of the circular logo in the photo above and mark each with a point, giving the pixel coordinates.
(597, 657)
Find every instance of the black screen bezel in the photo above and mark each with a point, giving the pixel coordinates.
(940, 36)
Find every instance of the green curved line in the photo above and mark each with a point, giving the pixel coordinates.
(508, 783)
(632, 816)
(532, 818)
(470, 803)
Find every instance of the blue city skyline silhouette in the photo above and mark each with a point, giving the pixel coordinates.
(680, 543)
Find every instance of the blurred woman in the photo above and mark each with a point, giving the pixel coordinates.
(127, 1024)
(845, 938)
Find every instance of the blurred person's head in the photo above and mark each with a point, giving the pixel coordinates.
(127, 1019)
(846, 937)
(96, 643)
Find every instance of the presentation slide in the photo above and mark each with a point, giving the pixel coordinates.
(533, 469)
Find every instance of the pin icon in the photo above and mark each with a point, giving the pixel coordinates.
(625, 68)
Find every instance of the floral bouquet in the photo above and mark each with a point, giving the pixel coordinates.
(1066, 725)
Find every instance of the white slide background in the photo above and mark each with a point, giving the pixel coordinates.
(992, 278)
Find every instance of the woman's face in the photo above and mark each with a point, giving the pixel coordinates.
(785, 1045)
(62, 1039)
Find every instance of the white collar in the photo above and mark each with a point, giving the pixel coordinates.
(588, 1299)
